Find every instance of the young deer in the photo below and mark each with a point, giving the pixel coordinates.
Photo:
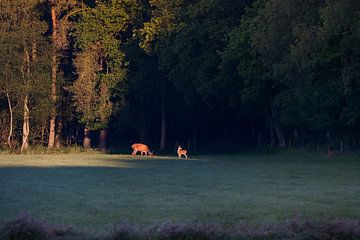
(181, 151)
(142, 148)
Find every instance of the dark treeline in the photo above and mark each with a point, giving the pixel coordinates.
(209, 74)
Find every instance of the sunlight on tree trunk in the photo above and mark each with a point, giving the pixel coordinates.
(58, 135)
(87, 139)
(26, 114)
(53, 79)
(26, 125)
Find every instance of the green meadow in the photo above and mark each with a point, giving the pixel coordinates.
(99, 190)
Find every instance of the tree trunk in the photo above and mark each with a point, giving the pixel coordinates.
(26, 115)
(51, 142)
(277, 125)
(296, 138)
(58, 135)
(103, 139)
(26, 125)
(11, 120)
(87, 139)
(43, 133)
(163, 117)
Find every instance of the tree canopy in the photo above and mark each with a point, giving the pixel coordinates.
(208, 74)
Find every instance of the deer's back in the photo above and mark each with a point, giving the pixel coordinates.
(140, 147)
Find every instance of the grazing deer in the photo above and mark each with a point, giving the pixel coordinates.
(181, 151)
(142, 148)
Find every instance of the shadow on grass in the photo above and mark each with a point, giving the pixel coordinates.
(79, 192)
(101, 189)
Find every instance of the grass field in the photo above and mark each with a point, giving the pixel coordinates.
(94, 191)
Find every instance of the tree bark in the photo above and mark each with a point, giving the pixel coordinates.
(87, 139)
(11, 120)
(103, 139)
(296, 138)
(277, 126)
(53, 78)
(163, 117)
(58, 135)
(26, 125)
(26, 113)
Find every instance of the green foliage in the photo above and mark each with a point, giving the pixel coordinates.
(296, 52)
(162, 23)
(100, 61)
(255, 68)
(21, 35)
(340, 32)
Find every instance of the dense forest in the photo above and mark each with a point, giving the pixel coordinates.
(209, 74)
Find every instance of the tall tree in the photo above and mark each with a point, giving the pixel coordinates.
(100, 64)
(187, 37)
(162, 22)
(22, 35)
(262, 46)
(60, 11)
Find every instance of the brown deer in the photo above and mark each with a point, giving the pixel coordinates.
(142, 148)
(181, 152)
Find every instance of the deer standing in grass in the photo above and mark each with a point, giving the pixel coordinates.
(139, 147)
(181, 152)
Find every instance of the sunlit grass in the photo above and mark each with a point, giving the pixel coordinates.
(66, 160)
(102, 189)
